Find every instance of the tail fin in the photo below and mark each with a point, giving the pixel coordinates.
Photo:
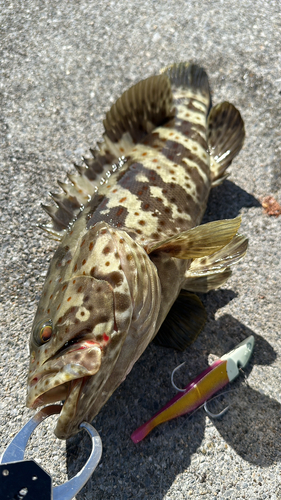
(190, 76)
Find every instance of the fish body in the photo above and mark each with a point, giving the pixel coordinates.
(130, 242)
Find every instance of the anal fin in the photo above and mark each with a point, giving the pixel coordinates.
(184, 322)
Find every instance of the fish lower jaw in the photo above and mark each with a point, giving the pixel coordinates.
(67, 418)
(69, 394)
(48, 386)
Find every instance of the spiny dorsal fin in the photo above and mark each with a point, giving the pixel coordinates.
(199, 241)
(138, 111)
(59, 217)
(184, 322)
(51, 232)
(226, 134)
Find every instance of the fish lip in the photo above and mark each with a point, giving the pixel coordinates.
(65, 382)
(88, 343)
(41, 384)
(69, 403)
(60, 392)
(42, 400)
(66, 348)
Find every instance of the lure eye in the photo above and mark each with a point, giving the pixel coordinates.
(44, 332)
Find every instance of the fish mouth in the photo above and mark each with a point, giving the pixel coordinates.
(68, 394)
(62, 378)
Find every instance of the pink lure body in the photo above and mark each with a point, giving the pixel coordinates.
(195, 394)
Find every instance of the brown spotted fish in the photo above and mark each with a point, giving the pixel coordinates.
(130, 246)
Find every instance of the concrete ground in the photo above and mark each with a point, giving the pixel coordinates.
(62, 65)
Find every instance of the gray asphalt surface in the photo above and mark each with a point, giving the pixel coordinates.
(62, 65)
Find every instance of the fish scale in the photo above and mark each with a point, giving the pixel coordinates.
(182, 183)
(130, 243)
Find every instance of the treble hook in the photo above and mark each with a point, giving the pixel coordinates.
(214, 415)
(210, 414)
(172, 378)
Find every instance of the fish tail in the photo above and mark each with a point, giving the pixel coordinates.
(177, 406)
(140, 433)
(192, 77)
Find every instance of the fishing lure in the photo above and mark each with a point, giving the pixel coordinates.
(210, 381)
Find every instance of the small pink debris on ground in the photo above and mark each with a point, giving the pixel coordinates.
(271, 206)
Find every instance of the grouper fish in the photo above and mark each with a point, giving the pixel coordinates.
(131, 248)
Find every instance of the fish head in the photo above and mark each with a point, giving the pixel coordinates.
(82, 322)
(66, 350)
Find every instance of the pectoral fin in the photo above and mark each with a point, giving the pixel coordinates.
(184, 322)
(211, 272)
(199, 241)
(203, 284)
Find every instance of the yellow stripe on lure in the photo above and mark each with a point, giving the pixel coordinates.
(210, 381)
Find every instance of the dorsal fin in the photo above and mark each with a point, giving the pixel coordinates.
(137, 112)
(140, 109)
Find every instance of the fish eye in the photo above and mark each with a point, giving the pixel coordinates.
(43, 332)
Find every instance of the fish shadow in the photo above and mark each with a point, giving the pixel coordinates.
(251, 427)
(226, 200)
